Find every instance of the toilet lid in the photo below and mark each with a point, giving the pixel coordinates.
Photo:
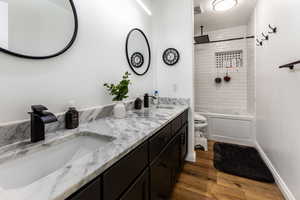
(198, 117)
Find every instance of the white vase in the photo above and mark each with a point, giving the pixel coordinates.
(119, 110)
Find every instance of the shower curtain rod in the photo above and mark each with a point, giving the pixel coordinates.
(232, 39)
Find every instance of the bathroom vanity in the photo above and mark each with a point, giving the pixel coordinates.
(147, 172)
(138, 157)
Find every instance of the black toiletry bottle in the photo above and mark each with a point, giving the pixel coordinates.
(138, 104)
(72, 118)
(146, 101)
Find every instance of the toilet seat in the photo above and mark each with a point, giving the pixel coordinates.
(200, 122)
(200, 118)
(200, 126)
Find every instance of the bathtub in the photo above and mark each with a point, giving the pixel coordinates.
(231, 128)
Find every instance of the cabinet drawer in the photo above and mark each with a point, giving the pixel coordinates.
(140, 189)
(159, 141)
(120, 176)
(90, 192)
(176, 124)
(179, 122)
(185, 117)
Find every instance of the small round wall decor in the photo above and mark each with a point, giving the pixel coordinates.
(171, 56)
(137, 60)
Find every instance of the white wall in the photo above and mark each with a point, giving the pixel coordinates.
(173, 27)
(3, 24)
(39, 27)
(277, 90)
(97, 56)
(251, 65)
(228, 98)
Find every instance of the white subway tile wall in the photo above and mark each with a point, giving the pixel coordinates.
(251, 65)
(251, 76)
(231, 97)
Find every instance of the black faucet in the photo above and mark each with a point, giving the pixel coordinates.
(146, 100)
(40, 117)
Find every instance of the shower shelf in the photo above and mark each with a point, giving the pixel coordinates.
(229, 59)
(290, 65)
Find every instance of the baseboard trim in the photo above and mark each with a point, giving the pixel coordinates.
(191, 157)
(288, 195)
(247, 142)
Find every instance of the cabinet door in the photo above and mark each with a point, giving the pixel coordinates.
(185, 117)
(184, 142)
(159, 141)
(90, 192)
(176, 125)
(161, 178)
(121, 175)
(175, 158)
(139, 190)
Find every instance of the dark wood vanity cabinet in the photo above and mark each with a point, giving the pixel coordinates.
(165, 170)
(140, 188)
(176, 159)
(184, 142)
(91, 191)
(161, 177)
(159, 141)
(149, 172)
(120, 176)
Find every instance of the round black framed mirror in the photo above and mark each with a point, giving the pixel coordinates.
(138, 52)
(34, 29)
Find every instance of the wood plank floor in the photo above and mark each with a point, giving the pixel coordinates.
(201, 181)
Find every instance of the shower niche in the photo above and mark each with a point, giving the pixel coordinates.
(229, 59)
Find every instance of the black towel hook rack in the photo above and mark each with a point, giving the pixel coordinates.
(290, 65)
(259, 42)
(273, 29)
(265, 37)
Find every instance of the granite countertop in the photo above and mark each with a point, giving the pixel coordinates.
(128, 133)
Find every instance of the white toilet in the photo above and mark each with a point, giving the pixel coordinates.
(200, 127)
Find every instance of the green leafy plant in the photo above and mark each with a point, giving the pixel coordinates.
(121, 90)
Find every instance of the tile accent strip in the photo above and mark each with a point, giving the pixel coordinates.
(19, 131)
(174, 101)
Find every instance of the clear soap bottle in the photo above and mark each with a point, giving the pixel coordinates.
(156, 98)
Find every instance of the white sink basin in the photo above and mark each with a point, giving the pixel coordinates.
(46, 158)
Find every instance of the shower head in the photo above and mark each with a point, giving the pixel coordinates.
(202, 39)
(197, 10)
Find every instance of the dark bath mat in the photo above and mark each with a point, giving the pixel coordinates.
(241, 161)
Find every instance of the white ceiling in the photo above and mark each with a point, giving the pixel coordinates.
(212, 20)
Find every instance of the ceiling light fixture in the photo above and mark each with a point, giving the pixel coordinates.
(144, 7)
(223, 5)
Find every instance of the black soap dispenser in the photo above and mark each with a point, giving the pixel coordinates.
(72, 117)
(138, 104)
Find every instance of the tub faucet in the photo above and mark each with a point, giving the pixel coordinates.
(40, 117)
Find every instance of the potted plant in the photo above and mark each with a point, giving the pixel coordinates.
(119, 93)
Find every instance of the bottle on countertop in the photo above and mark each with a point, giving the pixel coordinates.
(138, 104)
(72, 117)
(156, 98)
